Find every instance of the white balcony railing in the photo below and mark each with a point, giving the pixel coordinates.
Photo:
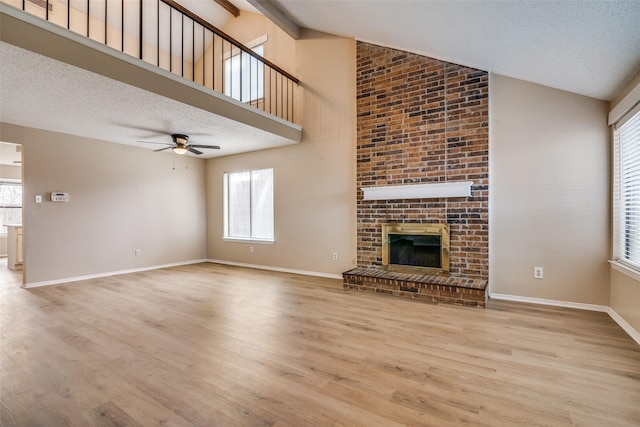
(165, 34)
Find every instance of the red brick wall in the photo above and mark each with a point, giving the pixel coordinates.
(423, 120)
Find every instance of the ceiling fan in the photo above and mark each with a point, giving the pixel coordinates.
(181, 145)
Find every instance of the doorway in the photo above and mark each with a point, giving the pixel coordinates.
(11, 202)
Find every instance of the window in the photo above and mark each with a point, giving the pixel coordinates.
(248, 205)
(244, 76)
(627, 190)
(10, 204)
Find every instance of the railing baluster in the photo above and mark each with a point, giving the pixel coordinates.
(213, 60)
(106, 20)
(182, 46)
(204, 52)
(158, 35)
(193, 50)
(88, 15)
(140, 41)
(122, 25)
(241, 81)
(293, 104)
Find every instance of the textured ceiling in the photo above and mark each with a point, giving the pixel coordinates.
(590, 48)
(43, 93)
(586, 47)
(94, 106)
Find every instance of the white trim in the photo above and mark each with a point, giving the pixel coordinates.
(635, 335)
(626, 104)
(107, 274)
(279, 269)
(249, 240)
(555, 303)
(234, 51)
(419, 191)
(625, 269)
(577, 305)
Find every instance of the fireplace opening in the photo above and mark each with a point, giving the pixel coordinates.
(420, 251)
(423, 246)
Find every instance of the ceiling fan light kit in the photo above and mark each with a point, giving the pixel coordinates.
(180, 149)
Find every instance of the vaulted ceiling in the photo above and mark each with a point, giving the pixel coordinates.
(586, 47)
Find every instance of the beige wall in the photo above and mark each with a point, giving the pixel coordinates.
(625, 298)
(625, 290)
(122, 198)
(549, 201)
(314, 180)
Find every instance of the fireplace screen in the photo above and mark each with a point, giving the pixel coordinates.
(416, 245)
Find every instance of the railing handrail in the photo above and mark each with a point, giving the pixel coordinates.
(227, 37)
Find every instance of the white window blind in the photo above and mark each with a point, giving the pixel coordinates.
(248, 205)
(627, 190)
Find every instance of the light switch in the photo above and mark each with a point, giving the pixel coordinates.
(38, 198)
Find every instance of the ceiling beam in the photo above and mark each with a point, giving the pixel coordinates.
(229, 7)
(271, 11)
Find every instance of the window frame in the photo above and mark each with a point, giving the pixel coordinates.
(4, 232)
(225, 196)
(239, 55)
(621, 237)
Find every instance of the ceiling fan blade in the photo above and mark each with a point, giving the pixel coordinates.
(194, 151)
(162, 149)
(213, 147)
(154, 142)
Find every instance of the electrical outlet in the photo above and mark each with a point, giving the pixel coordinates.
(38, 198)
(137, 252)
(251, 249)
(335, 256)
(538, 272)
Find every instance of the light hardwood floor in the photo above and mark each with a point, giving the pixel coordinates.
(212, 345)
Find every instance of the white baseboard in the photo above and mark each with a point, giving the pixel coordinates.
(279, 269)
(542, 301)
(624, 325)
(580, 306)
(110, 273)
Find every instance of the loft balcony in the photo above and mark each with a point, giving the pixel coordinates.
(157, 46)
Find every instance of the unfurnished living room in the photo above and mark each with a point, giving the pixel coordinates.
(319, 213)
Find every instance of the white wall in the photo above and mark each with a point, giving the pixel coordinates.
(314, 181)
(122, 198)
(549, 201)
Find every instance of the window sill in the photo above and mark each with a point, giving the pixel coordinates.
(625, 269)
(249, 240)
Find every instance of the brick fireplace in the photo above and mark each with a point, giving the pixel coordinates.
(422, 120)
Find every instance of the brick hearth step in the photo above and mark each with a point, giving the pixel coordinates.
(434, 287)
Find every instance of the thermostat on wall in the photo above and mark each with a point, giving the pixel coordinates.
(59, 197)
